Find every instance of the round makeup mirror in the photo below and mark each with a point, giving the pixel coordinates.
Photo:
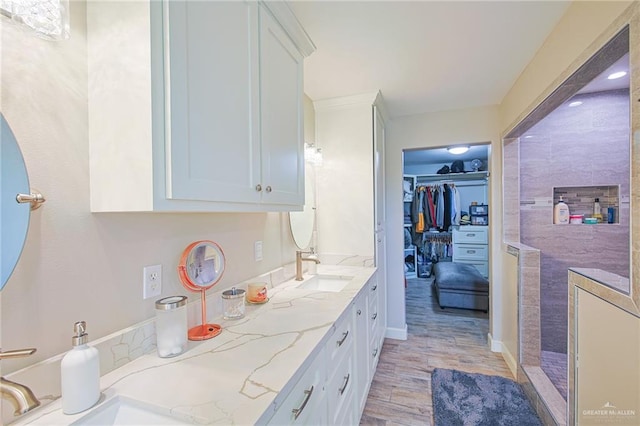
(201, 267)
(302, 223)
(14, 216)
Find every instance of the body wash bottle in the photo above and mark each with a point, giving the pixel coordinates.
(80, 373)
(561, 213)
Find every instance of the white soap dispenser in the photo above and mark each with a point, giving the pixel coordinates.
(80, 373)
(561, 213)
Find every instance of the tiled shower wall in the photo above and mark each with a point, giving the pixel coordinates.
(586, 145)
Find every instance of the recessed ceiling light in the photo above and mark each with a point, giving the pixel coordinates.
(575, 103)
(458, 149)
(617, 75)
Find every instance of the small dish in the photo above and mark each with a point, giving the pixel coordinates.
(258, 303)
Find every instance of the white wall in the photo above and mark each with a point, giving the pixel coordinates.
(82, 266)
(432, 130)
(344, 131)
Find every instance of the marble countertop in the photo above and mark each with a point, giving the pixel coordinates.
(242, 375)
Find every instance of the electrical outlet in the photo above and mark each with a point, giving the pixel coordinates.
(257, 251)
(151, 281)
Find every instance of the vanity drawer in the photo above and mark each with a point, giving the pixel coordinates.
(341, 340)
(470, 252)
(470, 236)
(306, 403)
(340, 391)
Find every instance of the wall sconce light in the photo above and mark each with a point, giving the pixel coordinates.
(312, 154)
(48, 18)
(460, 149)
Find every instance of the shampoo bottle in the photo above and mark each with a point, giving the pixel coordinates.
(80, 373)
(561, 213)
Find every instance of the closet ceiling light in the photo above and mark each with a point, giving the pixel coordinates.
(617, 75)
(575, 103)
(458, 149)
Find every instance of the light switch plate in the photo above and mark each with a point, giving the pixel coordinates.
(151, 281)
(257, 251)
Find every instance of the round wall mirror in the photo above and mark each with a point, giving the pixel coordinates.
(14, 216)
(301, 223)
(201, 267)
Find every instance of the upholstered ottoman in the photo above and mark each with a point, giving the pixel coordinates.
(460, 285)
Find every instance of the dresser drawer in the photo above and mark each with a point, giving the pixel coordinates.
(470, 236)
(470, 252)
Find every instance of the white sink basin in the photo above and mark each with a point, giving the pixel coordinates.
(123, 411)
(332, 283)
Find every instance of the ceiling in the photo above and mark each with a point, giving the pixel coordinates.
(442, 156)
(423, 56)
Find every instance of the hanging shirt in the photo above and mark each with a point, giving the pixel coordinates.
(440, 208)
(455, 206)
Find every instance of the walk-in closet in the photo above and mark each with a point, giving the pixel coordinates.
(446, 209)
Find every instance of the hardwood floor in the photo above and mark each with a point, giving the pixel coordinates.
(452, 338)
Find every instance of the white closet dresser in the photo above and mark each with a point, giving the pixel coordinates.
(471, 245)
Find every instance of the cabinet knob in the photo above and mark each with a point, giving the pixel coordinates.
(258, 187)
(268, 189)
(359, 312)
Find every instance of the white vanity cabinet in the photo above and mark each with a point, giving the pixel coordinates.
(336, 384)
(363, 371)
(195, 106)
(341, 374)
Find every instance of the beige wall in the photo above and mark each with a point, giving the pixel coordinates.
(344, 131)
(82, 266)
(564, 49)
(431, 130)
(509, 299)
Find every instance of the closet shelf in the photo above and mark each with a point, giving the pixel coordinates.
(453, 177)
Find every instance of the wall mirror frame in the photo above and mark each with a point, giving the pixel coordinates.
(14, 215)
(302, 223)
(201, 267)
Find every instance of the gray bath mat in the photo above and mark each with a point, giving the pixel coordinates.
(468, 399)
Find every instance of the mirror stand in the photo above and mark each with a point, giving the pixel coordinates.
(204, 331)
(201, 267)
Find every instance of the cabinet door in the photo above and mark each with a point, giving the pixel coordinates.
(361, 315)
(281, 109)
(211, 98)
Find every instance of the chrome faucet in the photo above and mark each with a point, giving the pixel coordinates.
(300, 259)
(20, 396)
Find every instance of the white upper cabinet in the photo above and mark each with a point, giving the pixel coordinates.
(195, 106)
(282, 114)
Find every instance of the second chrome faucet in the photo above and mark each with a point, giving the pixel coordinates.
(300, 259)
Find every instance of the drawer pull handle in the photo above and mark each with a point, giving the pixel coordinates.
(344, 337)
(344, 385)
(374, 316)
(471, 251)
(375, 352)
(374, 288)
(297, 411)
(471, 235)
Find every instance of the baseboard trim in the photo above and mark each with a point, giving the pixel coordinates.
(494, 345)
(498, 346)
(396, 333)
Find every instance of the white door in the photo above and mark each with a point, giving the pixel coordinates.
(211, 90)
